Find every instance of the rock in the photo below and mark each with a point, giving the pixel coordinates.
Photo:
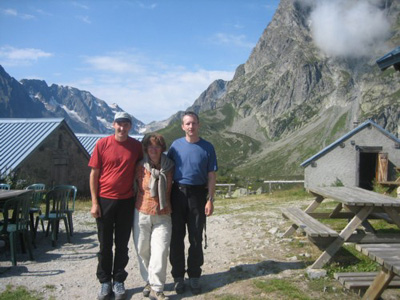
(316, 273)
(273, 230)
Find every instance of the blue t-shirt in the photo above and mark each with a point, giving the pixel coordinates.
(193, 161)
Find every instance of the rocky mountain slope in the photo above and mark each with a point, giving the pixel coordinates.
(309, 79)
(83, 112)
(293, 96)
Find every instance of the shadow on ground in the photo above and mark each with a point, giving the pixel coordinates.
(211, 282)
(84, 245)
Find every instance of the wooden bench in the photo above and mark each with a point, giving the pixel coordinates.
(362, 280)
(308, 224)
(317, 232)
(387, 255)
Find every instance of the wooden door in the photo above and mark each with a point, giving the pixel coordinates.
(382, 167)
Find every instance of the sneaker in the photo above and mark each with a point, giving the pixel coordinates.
(195, 285)
(161, 296)
(105, 291)
(119, 290)
(179, 286)
(147, 290)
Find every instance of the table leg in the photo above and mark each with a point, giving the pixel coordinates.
(379, 284)
(337, 210)
(394, 215)
(314, 205)
(290, 231)
(326, 256)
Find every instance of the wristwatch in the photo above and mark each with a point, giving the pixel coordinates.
(211, 199)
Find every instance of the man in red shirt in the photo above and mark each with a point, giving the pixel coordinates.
(113, 165)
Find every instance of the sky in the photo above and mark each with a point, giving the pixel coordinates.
(152, 58)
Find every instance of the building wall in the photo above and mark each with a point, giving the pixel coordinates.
(58, 160)
(341, 163)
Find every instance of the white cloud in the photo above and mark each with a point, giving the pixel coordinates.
(147, 6)
(10, 12)
(84, 19)
(10, 56)
(231, 40)
(80, 5)
(120, 62)
(42, 12)
(14, 13)
(148, 89)
(348, 28)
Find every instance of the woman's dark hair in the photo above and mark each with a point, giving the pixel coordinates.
(154, 138)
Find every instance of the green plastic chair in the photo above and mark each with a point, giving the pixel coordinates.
(16, 223)
(56, 210)
(37, 199)
(70, 204)
(4, 186)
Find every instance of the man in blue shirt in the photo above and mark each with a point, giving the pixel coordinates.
(192, 200)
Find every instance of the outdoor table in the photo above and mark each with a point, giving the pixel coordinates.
(357, 205)
(387, 255)
(9, 194)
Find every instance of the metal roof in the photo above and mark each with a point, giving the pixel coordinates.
(389, 59)
(20, 137)
(346, 136)
(88, 141)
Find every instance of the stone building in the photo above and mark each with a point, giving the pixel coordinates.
(43, 151)
(366, 154)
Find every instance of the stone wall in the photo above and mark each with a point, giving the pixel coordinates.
(57, 160)
(341, 164)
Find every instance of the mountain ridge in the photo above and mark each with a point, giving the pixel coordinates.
(288, 101)
(33, 98)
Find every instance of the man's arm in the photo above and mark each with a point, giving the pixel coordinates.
(94, 186)
(212, 180)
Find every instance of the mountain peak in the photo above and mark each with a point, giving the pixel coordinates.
(33, 98)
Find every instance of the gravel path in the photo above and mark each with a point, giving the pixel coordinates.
(235, 245)
(243, 244)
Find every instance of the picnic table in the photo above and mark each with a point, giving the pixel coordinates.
(387, 255)
(354, 204)
(9, 194)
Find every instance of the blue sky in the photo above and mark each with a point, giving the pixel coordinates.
(152, 58)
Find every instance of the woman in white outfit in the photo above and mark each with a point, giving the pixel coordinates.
(152, 222)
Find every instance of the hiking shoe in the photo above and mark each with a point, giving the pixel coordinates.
(161, 296)
(119, 290)
(195, 285)
(179, 285)
(105, 291)
(147, 290)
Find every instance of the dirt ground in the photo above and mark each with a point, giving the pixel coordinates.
(244, 246)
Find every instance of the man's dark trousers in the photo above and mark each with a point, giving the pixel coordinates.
(188, 209)
(116, 220)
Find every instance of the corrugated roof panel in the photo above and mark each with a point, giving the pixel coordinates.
(89, 140)
(19, 137)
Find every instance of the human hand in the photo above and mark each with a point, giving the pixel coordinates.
(95, 211)
(209, 208)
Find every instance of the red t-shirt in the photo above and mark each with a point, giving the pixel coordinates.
(117, 162)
